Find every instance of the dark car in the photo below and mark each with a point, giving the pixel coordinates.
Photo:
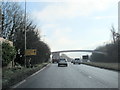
(72, 61)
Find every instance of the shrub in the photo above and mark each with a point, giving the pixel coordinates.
(8, 53)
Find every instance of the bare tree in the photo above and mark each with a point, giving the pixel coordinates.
(115, 35)
(12, 19)
(0, 18)
(14, 23)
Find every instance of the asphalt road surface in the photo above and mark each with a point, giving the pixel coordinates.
(73, 76)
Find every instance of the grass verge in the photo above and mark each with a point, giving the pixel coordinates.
(12, 76)
(111, 66)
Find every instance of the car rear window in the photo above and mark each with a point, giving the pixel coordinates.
(62, 59)
(77, 59)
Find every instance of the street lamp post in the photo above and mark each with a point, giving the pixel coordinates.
(25, 32)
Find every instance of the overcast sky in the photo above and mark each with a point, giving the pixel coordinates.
(74, 24)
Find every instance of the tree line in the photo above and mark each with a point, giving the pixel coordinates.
(14, 22)
(111, 49)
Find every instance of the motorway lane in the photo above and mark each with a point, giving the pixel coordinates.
(73, 76)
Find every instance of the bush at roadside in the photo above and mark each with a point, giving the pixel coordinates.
(8, 53)
(111, 66)
(12, 76)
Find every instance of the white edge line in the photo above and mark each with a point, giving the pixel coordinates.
(37, 71)
(19, 84)
(15, 86)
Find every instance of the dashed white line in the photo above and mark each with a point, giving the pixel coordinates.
(89, 77)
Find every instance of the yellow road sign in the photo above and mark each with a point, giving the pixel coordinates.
(30, 52)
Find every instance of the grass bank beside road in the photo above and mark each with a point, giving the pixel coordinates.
(12, 76)
(111, 66)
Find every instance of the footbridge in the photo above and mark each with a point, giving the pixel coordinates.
(56, 54)
(92, 51)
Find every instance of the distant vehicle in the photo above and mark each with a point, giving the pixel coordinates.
(88, 60)
(62, 62)
(77, 61)
(55, 58)
(72, 61)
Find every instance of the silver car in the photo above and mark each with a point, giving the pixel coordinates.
(62, 62)
(77, 61)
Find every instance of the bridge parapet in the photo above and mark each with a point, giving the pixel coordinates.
(92, 51)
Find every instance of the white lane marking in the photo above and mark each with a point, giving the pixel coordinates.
(37, 72)
(89, 77)
(19, 84)
(29, 77)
